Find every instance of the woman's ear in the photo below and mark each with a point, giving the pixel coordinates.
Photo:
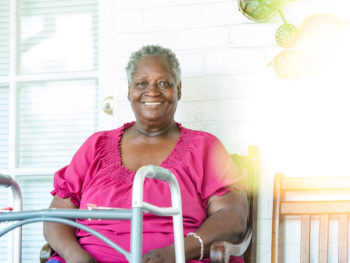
(129, 93)
(179, 91)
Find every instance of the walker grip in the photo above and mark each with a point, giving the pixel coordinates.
(5, 180)
(159, 173)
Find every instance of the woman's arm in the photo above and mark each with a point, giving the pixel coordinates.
(62, 237)
(227, 221)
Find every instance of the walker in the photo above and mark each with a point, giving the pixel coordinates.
(134, 214)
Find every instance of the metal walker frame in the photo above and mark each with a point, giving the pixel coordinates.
(134, 214)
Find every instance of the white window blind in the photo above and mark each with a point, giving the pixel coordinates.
(36, 195)
(55, 118)
(58, 36)
(4, 127)
(4, 112)
(4, 37)
(4, 202)
(55, 90)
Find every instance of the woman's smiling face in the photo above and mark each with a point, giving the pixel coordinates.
(153, 92)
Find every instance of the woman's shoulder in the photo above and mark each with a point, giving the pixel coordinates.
(104, 138)
(200, 135)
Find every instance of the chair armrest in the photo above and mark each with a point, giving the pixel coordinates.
(45, 253)
(220, 251)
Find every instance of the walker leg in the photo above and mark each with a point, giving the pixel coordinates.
(136, 235)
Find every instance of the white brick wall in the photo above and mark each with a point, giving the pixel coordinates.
(180, 16)
(228, 87)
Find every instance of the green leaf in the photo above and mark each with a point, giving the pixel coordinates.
(260, 10)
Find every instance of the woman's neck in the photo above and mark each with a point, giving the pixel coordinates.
(151, 131)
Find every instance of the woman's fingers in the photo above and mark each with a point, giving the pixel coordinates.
(160, 255)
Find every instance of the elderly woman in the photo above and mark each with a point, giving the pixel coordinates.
(102, 171)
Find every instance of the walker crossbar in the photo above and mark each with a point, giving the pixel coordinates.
(134, 214)
(123, 214)
(67, 222)
(7, 181)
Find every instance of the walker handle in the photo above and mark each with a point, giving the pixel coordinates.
(159, 173)
(5, 180)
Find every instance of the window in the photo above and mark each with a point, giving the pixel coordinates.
(48, 99)
(46, 111)
(4, 126)
(57, 36)
(4, 37)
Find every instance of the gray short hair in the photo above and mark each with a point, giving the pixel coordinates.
(154, 50)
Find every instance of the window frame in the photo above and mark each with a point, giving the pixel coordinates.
(14, 78)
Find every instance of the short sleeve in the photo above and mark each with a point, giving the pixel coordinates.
(220, 173)
(69, 180)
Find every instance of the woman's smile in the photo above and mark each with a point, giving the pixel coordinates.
(152, 104)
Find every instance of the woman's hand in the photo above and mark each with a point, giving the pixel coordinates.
(80, 256)
(62, 237)
(160, 255)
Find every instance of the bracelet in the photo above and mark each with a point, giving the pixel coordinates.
(200, 241)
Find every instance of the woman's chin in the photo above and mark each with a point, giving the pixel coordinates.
(154, 118)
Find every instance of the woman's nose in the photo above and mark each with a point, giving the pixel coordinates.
(153, 88)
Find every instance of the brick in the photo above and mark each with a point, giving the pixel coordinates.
(231, 133)
(130, 42)
(141, 4)
(222, 13)
(227, 110)
(238, 60)
(186, 112)
(173, 17)
(128, 21)
(198, 38)
(253, 35)
(256, 84)
(222, 130)
(191, 62)
(209, 87)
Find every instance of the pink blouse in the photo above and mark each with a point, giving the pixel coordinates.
(97, 176)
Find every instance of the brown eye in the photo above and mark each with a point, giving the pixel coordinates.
(141, 84)
(163, 84)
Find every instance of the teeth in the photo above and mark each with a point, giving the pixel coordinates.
(152, 103)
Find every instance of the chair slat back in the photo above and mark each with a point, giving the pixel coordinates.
(306, 209)
(343, 239)
(323, 239)
(252, 163)
(305, 239)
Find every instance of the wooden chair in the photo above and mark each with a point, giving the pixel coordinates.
(307, 209)
(221, 251)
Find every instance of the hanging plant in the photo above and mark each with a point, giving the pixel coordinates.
(262, 10)
(286, 34)
(289, 64)
(319, 39)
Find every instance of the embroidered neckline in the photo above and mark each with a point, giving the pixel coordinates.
(169, 157)
(123, 174)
